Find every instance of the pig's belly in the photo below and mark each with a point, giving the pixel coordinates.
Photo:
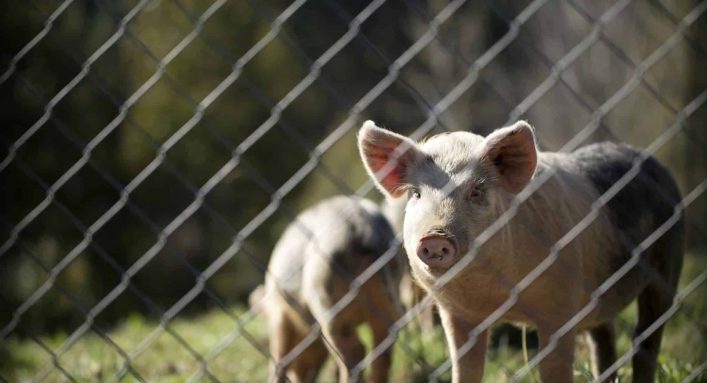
(477, 302)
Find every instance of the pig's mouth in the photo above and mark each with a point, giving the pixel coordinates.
(439, 261)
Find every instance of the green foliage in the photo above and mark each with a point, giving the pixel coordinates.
(92, 359)
(235, 353)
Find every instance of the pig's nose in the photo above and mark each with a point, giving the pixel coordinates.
(436, 251)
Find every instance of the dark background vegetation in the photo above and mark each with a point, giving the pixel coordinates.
(143, 127)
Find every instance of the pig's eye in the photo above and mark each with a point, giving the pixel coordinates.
(415, 193)
(476, 193)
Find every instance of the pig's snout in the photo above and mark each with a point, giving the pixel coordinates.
(437, 251)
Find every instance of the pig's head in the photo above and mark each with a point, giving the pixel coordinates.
(456, 184)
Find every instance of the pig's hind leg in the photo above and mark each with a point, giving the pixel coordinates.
(383, 309)
(306, 367)
(285, 336)
(341, 337)
(282, 336)
(653, 302)
(340, 330)
(602, 343)
(661, 266)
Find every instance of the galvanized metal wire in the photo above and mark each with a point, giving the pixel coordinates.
(354, 111)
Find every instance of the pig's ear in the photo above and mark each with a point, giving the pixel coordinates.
(512, 152)
(387, 157)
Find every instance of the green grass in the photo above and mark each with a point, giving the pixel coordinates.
(233, 356)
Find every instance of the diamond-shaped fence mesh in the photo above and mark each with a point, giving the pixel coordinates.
(153, 153)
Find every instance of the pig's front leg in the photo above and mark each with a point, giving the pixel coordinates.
(557, 365)
(467, 363)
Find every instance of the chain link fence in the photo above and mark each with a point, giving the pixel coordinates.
(154, 151)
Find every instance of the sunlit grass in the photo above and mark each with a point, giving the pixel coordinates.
(234, 355)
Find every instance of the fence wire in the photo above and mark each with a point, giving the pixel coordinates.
(425, 56)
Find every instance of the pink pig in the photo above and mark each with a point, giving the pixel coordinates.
(458, 184)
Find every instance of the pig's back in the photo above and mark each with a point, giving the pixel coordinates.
(339, 227)
(643, 203)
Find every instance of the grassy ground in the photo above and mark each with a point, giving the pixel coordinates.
(233, 355)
